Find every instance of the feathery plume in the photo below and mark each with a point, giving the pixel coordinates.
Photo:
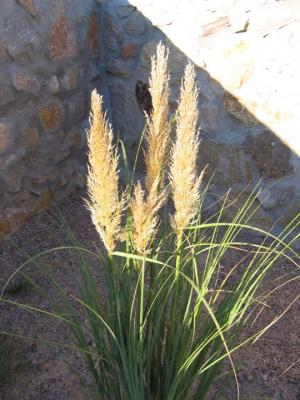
(146, 204)
(185, 182)
(145, 215)
(158, 124)
(104, 203)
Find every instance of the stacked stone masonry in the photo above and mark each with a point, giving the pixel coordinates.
(50, 60)
(247, 64)
(53, 53)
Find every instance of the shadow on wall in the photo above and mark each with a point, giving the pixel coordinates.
(235, 143)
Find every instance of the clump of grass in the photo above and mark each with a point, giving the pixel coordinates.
(169, 318)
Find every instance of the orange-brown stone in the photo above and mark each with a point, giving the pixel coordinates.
(4, 139)
(29, 6)
(51, 115)
(30, 138)
(17, 220)
(77, 139)
(12, 220)
(4, 56)
(215, 26)
(63, 43)
(43, 202)
(4, 227)
(234, 107)
(93, 34)
(129, 50)
(74, 138)
(26, 82)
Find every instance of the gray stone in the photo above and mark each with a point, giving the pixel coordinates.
(113, 35)
(124, 107)
(62, 154)
(11, 160)
(6, 93)
(276, 196)
(211, 204)
(176, 64)
(267, 199)
(135, 24)
(13, 178)
(270, 154)
(53, 85)
(20, 37)
(70, 79)
(92, 72)
(209, 117)
(125, 10)
(66, 173)
(293, 210)
(220, 157)
(144, 66)
(117, 66)
(259, 219)
(76, 108)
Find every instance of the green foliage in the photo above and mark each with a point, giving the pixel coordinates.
(167, 320)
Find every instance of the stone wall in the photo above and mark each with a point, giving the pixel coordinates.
(50, 59)
(246, 57)
(53, 53)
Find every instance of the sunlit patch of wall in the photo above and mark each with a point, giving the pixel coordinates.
(248, 74)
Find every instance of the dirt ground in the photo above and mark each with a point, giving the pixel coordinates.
(31, 370)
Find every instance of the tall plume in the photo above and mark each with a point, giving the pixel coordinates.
(105, 203)
(158, 124)
(146, 204)
(185, 182)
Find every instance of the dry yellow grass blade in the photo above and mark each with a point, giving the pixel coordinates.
(158, 123)
(105, 203)
(185, 181)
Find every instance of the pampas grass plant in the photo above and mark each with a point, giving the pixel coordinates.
(168, 318)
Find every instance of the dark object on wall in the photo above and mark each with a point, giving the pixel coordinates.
(143, 97)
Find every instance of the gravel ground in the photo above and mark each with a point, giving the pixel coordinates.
(36, 371)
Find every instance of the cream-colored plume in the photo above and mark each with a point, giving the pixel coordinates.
(105, 203)
(158, 124)
(145, 215)
(185, 181)
(146, 204)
